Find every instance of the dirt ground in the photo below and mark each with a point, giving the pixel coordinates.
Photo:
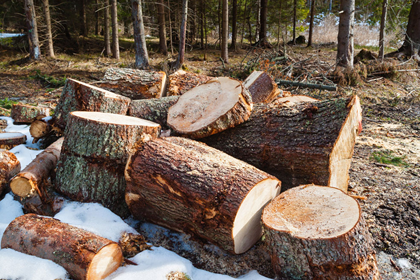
(385, 172)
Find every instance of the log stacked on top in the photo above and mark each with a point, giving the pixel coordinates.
(23, 113)
(9, 167)
(262, 87)
(180, 82)
(8, 140)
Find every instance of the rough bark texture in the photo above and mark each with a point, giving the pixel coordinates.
(33, 178)
(22, 113)
(348, 255)
(261, 87)
(162, 27)
(78, 96)
(46, 7)
(155, 110)
(9, 167)
(345, 48)
(114, 19)
(107, 40)
(71, 247)
(142, 57)
(382, 30)
(181, 82)
(8, 140)
(94, 155)
(34, 49)
(190, 187)
(133, 83)
(209, 109)
(294, 142)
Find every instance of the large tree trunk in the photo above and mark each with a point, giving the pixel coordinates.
(261, 87)
(8, 140)
(34, 49)
(22, 113)
(94, 154)
(345, 48)
(46, 6)
(162, 27)
(133, 83)
(300, 143)
(187, 186)
(411, 46)
(311, 25)
(114, 17)
(315, 232)
(106, 30)
(78, 96)
(183, 31)
(180, 82)
(225, 31)
(9, 167)
(85, 256)
(142, 58)
(219, 104)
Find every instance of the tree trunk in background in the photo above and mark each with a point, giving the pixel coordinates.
(202, 12)
(162, 27)
(411, 44)
(34, 50)
(345, 48)
(96, 18)
(183, 31)
(142, 58)
(106, 30)
(263, 23)
(225, 31)
(193, 24)
(234, 27)
(46, 6)
(311, 25)
(257, 25)
(382, 30)
(294, 21)
(115, 44)
(219, 21)
(279, 25)
(83, 24)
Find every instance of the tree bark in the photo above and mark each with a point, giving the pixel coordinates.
(382, 30)
(183, 31)
(106, 30)
(9, 167)
(83, 23)
(83, 254)
(170, 28)
(133, 83)
(8, 140)
(3, 125)
(261, 87)
(142, 57)
(234, 25)
(411, 45)
(190, 187)
(94, 154)
(311, 25)
(22, 113)
(345, 48)
(162, 27)
(96, 18)
(114, 17)
(180, 82)
(294, 21)
(219, 104)
(310, 237)
(34, 48)
(78, 96)
(299, 143)
(46, 6)
(225, 32)
(263, 24)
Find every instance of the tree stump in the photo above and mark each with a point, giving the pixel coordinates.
(189, 187)
(94, 154)
(79, 96)
(261, 87)
(85, 256)
(181, 82)
(134, 83)
(9, 167)
(8, 140)
(155, 109)
(219, 104)
(22, 113)
(316, 232)
(299, 144)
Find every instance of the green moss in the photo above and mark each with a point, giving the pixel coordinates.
(387, 157)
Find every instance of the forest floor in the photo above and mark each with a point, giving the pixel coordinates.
(385, 172)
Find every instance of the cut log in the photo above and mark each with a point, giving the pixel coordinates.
(315, 232)
(187, 186)
(134, 83)
(262, 87)
(3, 125)
(8, 140)
(9, 167)
(22, 113)
(294, 99)
(155, 109)
(85, 256)
(39, 129)
(219, 104)
(79, 96)
(299, 144)
(181, 82)
(94, 154)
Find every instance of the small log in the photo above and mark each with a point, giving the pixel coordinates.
(189, 187)
(9, 167)
(94, 154)
(85, 256)
(298, 144)
(3, 125)
(155, 109)
(8, 140)
(79, 96)
(134, 83)
(315, 232)
(219, 104)
(22, 113)
(294, 99)
(262, 87)
(306, 85)
(181, 82)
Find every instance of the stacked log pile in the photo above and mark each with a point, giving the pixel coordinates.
(180, 82)
(23, 113)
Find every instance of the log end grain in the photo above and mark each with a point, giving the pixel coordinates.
(9, 167)
(22, 186)
(262, 87)
(39, 129)
(105, 262)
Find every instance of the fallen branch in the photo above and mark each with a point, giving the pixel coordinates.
(306, 85)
